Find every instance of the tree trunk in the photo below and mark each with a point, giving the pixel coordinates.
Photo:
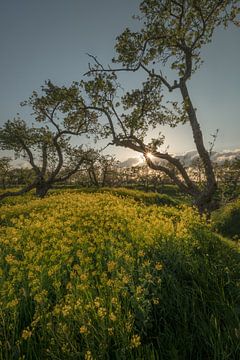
(42, 189)
(204, 201)
(3, 184)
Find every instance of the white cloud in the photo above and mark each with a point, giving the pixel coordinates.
(188, 157)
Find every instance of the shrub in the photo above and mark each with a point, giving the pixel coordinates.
(227, 220)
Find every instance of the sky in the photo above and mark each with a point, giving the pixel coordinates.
(50, 39)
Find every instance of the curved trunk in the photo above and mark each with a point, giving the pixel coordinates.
(204, 201)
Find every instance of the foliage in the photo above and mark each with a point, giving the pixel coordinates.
(227, 220)
(94, 276)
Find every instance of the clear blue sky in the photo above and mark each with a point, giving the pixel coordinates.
(49, 39)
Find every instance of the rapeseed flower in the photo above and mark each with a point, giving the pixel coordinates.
(135, 341)
(26, 334)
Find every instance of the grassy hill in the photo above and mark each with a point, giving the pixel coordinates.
(100, 276)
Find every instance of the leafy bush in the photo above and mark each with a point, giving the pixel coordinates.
(94, 276)
(227, 220)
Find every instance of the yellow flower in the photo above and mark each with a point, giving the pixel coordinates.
(41, 297)
(129, 325)
(88, 355)
(12, 303)
(66, 310)
(110, 282)
(26, 334)
(126, 279)
(146, 263)
(110, 331)
(114, 301)
(83, 277)
(102, 312)
(84, 330)
(97, 302)
(10, 259)
(135, 341)
(156, 301)
(141, 253)
(111, 265)
(112, 316)
(139, 290)
(158, 266)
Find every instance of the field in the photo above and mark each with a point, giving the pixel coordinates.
(103, 276)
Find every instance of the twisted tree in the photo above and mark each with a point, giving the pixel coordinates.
(171, 35)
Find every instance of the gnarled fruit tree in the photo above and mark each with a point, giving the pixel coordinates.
(171, 35)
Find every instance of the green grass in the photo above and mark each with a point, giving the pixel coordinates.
(148, 198)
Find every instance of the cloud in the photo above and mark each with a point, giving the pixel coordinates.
(217, 157)
(188, 157)
(131, 162)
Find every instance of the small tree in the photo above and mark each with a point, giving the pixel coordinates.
(172, 34)
(60, 113)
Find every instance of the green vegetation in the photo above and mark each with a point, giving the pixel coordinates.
(227, 220)
(112, 273)
(99, 276)
(148, 198)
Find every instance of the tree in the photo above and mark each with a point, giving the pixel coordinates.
(21, 176)
(59, 114)
(101, 170)
(5, 168)
(172, 34)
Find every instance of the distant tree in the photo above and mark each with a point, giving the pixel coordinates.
(59, 114)
(5, 167)
(172, 34)
(102, 170)
(21, 176)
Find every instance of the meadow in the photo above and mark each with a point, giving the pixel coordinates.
(114, 276)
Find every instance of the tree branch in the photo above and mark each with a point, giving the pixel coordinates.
(30, 156)
(71, 172)
(20, 192)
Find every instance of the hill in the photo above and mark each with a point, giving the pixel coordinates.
(96, 276)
